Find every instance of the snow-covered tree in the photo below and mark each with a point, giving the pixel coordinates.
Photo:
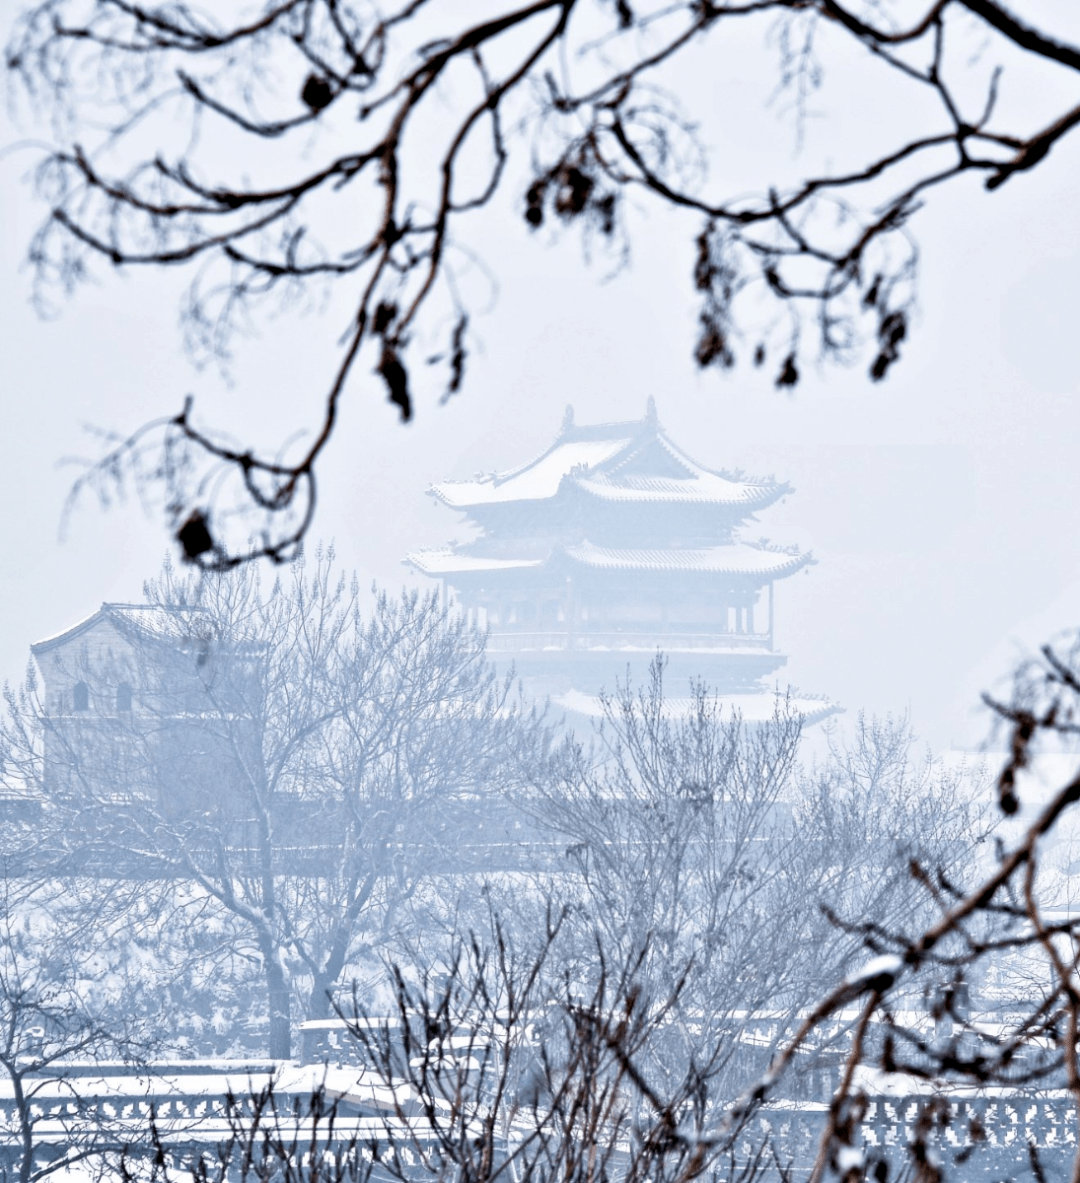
(68, 991)
(291, 756)
(706, 844)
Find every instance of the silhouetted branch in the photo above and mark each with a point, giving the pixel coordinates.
(831, 253)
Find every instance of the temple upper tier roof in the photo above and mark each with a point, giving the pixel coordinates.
(738, 559)
(633, 462)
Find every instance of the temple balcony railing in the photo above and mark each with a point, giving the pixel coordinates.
(583, 640)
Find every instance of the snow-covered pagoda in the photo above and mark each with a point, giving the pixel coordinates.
(610, 545)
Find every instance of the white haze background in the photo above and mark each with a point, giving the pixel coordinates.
(941, 505)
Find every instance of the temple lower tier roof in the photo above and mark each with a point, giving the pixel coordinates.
(756, 707)
(737, 559)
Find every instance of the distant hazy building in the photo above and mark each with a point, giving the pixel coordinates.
(131, 702)
(610, 545)
(92, 669)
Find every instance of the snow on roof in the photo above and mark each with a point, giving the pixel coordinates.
(157, 620)
(626, 482)
(704, 487)
(537, 481)
(611, 461)
(82, 626)
(760, 707)
(735, 559)
(444, 561)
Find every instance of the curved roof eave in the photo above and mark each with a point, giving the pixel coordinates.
(737, 559)
(69, 634)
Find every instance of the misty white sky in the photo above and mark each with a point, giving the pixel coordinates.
(941, 505)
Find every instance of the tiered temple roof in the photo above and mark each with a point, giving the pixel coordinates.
(631, 462)
(614, 539)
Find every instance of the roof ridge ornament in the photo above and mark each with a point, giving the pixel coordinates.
(651, 416)
(568, 417)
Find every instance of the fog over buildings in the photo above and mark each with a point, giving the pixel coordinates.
(289, 828)
(939, 504)
(610, 546)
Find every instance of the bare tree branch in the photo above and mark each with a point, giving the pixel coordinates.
(819, 267)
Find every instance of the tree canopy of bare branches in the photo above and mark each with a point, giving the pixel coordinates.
(67, 992)
(281, 147)
(995, 971)
(296, 761)
(939, 1015)
(741, 865)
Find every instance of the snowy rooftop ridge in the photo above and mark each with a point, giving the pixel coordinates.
(152, 620)
(537, 481)
(611, 461)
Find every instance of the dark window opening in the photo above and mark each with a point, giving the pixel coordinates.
(81, 696)
(123, 697)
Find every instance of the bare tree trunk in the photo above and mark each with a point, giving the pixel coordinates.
(277, 993)
(26, 1127)
(326, 978)
(319, 1004)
